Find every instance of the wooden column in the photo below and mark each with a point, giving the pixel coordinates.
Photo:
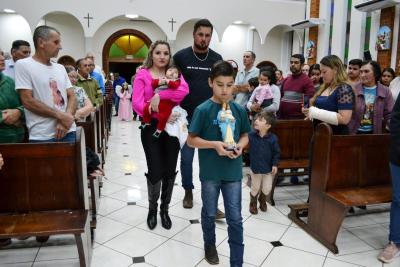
(313, 31)
(387, 19)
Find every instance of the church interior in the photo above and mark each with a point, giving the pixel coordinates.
(114, 231)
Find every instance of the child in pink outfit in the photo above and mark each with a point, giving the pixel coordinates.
(262, 96)
(124, 110)
(144, 91)
(165, 107)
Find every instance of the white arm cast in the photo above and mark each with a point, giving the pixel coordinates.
(324, 115)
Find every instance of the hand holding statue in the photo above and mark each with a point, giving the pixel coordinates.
(226, 123)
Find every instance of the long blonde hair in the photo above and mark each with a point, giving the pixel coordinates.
(335, 63)
(148, 62)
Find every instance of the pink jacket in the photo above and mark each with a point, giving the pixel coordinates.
(143, 91)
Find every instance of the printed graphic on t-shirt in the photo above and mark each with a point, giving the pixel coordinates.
(198, 68)
(366, 124)
(58, 99)
(368, 115)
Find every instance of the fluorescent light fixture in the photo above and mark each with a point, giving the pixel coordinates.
(131, 16)
(308, 23)
(373, 5)
(238, 22)
(7, 10)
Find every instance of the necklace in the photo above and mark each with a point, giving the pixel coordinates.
(204, 59)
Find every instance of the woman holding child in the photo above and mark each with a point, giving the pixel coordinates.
(162, 152)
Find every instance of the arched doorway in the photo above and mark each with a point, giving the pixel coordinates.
(123, 51)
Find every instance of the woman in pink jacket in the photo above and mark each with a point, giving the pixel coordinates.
(161, 153)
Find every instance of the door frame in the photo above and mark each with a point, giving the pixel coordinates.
(115, 36)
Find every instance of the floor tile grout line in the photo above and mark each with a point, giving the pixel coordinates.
(37, 253)
(365, 242)
(267, 256)
(348, 254)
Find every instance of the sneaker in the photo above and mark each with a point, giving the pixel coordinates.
(211, 255)
(390, 252)
(220, 215)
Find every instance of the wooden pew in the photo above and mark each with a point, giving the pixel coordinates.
(89, 127)
(100, 122)
(294, 138)
(347, 171)
(43, 192)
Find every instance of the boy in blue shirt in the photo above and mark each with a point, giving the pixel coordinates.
(220, 167)
(264, 157)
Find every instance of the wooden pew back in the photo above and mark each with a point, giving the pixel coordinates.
(90, 128)
(43, 177)
(344, 161)
(294, 138)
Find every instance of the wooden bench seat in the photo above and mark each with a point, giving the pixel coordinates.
(350, 197)
(43, 223)
(43, 192)
(346, 171)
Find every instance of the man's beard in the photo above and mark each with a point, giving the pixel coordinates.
(294, 70)
(201, 47)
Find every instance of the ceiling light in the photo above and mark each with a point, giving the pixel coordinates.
(252, 27)
(7, 10)
(238, 22)
(131, 16)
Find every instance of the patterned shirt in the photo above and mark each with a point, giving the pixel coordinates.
(81, 97)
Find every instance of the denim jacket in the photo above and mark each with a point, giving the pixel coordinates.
(382, 108)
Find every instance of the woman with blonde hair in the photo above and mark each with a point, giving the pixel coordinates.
(334, 102)
(161, 153)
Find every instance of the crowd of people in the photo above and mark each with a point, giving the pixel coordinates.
(47, 98)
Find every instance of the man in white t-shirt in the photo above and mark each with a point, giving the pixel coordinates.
(20, 49)
(45, 90)
(242, 87)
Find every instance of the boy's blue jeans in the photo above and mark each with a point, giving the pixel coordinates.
(232, 194)
(394, 234)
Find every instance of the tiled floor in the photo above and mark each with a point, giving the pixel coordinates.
(123, 239)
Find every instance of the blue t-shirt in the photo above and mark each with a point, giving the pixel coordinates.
(99, 79)
(367, 123)
(204, 124)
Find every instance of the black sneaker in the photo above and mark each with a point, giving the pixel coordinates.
(211, 255)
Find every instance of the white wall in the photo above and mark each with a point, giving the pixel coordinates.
(232, 45)
(274, 49)
(114, 25)
(72, 37)
(235, 41)
(13, 27)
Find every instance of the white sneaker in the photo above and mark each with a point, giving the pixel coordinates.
(390, 252)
